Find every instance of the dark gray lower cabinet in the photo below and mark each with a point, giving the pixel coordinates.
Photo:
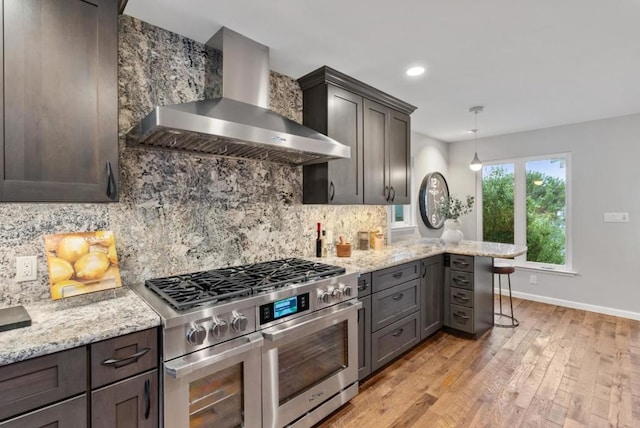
(364, 338)
(68, 414)
(432, 310)
(132, 403)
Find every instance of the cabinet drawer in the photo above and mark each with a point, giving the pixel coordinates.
(394, 303)
(387, 278)
(461, 318)
(464, 263)
(68, 414)
(124, 356)
(462, 297)
(364, 284)
(30, 384)
(394, 339)
(461, 279)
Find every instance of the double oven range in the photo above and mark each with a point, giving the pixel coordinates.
(270, 344)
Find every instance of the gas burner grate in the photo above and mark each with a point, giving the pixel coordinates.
(220, 285)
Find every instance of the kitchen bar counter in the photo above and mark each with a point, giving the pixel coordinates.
(65, 324)
(407, 251)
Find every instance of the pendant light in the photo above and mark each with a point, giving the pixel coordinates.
(476, 164)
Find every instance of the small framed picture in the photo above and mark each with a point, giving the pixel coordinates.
(81, 263)
(434, 191)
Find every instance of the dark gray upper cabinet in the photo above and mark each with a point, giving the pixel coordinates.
(375, 125)
(59, 101)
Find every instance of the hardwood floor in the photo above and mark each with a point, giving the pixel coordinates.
(560, 367)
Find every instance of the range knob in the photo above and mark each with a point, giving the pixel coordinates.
(238, 322)
(218, 328)
(196, 334)
(325, 297)
(336, 294)
(347, 290)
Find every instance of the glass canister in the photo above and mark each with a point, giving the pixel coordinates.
(363, 240)
(372, 238)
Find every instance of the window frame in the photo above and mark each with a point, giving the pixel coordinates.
(520, 210)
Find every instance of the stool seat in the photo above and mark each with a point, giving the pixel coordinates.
(503, 270)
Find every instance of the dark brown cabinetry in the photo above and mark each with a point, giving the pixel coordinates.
(59, 101)
(468, 294)
(376, 127)
(431, 288)
(52, 390)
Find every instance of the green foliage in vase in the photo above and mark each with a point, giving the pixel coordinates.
(452, 207)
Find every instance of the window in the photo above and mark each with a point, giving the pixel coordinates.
(524, 201)
(401, 215)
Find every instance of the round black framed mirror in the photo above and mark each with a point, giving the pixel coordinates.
(433, 192)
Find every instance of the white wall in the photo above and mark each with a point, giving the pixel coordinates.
(605, 159)
(429, 155)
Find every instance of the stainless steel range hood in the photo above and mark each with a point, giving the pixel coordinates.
(240, 123)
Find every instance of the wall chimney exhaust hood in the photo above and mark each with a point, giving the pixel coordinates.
(240, 124)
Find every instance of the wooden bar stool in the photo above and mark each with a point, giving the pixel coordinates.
(505, 270)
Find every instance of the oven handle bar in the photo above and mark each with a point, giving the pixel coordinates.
(275, 333)
(185, 365)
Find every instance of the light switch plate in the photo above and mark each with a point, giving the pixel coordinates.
(616, 217)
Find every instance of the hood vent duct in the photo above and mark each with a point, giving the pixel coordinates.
(240, 124)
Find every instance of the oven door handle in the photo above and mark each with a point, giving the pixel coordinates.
(278, 332)
(185, 365)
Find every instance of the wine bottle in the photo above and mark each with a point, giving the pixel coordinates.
(319, 242)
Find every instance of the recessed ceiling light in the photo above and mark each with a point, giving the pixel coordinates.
(415, 71)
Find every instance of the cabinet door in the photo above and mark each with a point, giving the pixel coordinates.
(400, 158)
(132, 403)
(364, 338)
(68, 414)
(376, 155)
(344, 124)
(59, 101)
(432, 301)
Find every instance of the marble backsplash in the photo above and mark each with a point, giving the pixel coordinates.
(180, 212)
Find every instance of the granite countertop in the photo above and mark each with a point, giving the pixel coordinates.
(408, 251)
(77, 321)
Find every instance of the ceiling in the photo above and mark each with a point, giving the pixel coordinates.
(532, 64)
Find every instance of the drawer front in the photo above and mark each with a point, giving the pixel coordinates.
(461, 279)
(364, 284)
(461, 318)
(394, 303)
(123, 356)
(68, 414)
(462, 297)
(464, 263)
(390, 277)
(30, 384)
(394, 339)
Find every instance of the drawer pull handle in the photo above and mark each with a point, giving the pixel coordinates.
(398, 274)
(398, 332)
(461, 263)
(332, 191)
(128, 360)
(461, 297)
(397, 297)
(461, 280)
(147, 399)
(461, 315)
(363, 287)
(112, 188)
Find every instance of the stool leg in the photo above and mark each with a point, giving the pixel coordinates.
(513, 319)
(500, 292)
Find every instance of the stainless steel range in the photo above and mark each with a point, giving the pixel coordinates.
(271, 344)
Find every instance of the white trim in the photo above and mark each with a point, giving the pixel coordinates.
(553, 270)
(574, 305)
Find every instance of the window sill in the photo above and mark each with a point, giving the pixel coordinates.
(562, 271)
(403, 228)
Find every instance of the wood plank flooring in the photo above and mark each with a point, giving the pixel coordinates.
(560, 368)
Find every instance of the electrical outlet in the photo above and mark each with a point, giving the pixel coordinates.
(533, 279)
(26, 268)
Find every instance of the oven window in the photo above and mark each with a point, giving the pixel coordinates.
(310, 360)
(216, 400)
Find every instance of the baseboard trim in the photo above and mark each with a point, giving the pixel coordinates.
(574, 305)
